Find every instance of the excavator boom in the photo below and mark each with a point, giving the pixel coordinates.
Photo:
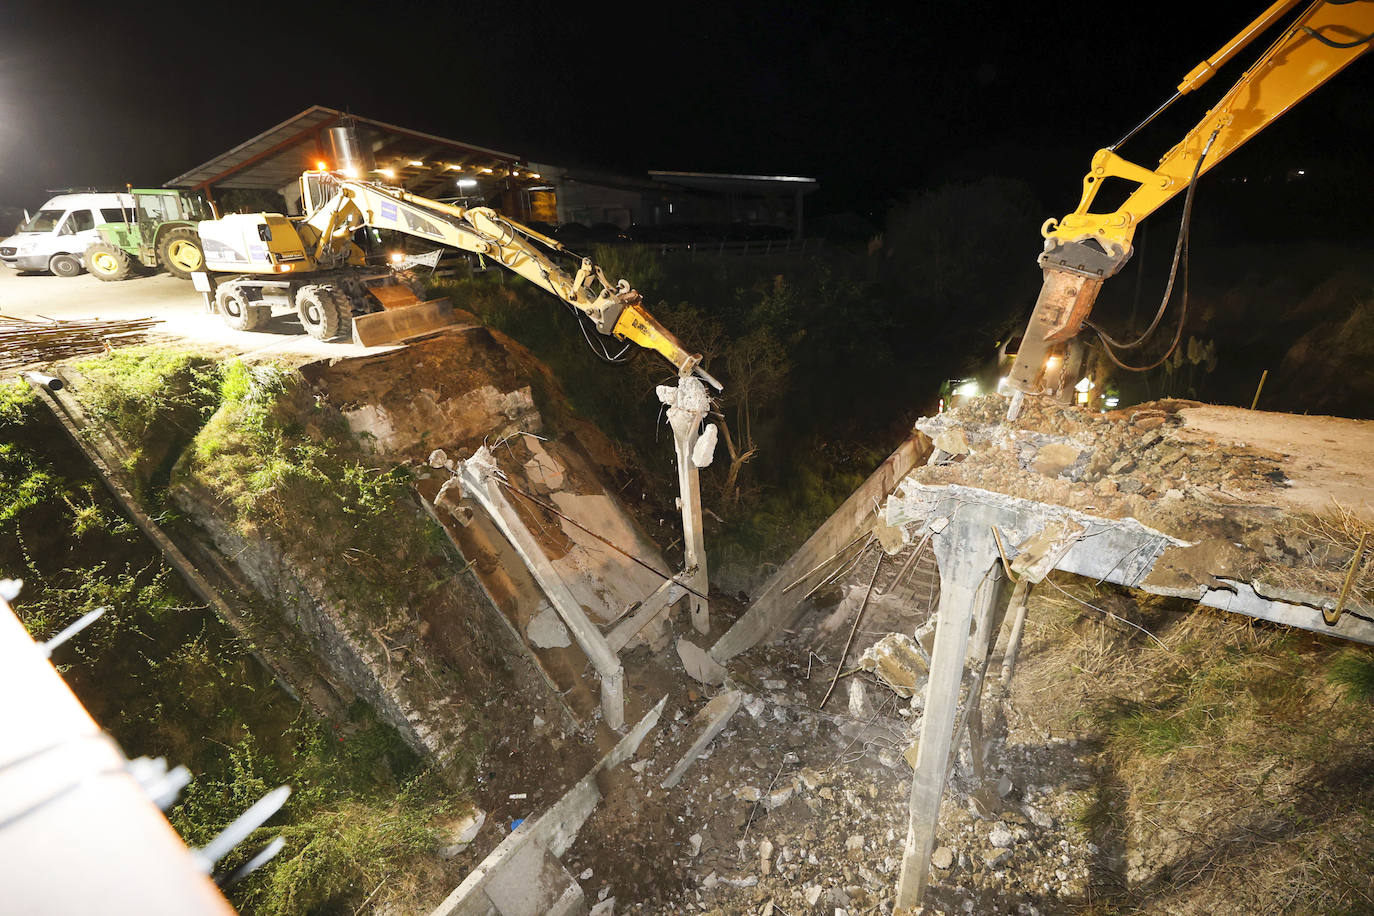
(1084, 248)
(337, 205)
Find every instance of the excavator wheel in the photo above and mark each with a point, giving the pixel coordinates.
(325, 311)
(108, 262)
(180, 252)
(411, 280)
(239, 313)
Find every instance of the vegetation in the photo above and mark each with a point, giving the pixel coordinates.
(1233, 756)
(166, 678)
(781, 333)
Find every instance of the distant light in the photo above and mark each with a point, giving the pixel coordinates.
(387, 173)
(1302, 171)
(397, 257)
(1111, 402)
(486, 171)
(456, 168)
(1084, 385)
(320, 166)
(968, 389)
(350, 173)
(535, 175)
(467, 183)
(417, 162)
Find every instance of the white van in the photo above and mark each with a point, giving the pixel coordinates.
(56, 237)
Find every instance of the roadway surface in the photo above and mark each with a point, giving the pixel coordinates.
(179, 309)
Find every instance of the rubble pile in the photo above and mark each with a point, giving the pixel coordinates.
(1237, 502)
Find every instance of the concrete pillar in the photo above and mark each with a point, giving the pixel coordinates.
(966, 552)
(476, 475)
(688, 404)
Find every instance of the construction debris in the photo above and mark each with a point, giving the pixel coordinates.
(708, 723)
(24, 342)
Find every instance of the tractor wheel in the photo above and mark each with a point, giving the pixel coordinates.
(324, 311)
(65, 265)
(179, 251)
(108, 262)
(239, 313)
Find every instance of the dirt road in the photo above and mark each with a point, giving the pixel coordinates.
(172, 301)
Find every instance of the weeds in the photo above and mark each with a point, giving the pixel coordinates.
(1353, 671)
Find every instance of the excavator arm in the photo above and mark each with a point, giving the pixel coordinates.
(615, 311)
(1084, 248)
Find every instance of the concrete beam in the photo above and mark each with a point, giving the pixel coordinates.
(688, 404)
(666, 594)
(773, 607)
(1124, 552)
(966, 552)
(711, 720)
(477, 477)
(554, 830)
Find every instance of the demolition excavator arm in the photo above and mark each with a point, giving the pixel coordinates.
(1084, 248)
(337, 205)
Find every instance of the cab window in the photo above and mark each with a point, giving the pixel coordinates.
(78, 221)
(113, 215)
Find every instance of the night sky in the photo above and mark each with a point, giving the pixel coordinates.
(872, 101)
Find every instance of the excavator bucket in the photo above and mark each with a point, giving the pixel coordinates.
(402, 317)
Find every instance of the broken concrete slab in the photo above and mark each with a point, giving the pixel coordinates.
(546, 630)
(535, 883)
(707, 723)
(698, 664)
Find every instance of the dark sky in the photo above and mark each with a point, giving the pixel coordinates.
(871, 100)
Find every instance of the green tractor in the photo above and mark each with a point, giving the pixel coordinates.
(160, 231)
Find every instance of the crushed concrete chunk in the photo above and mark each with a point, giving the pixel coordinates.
(546, 631)
(953, 440)
(942, 857)
(705, 449)
(898, 661)
(462, 832)
(709, 722)
(812, 894)
(1056, 458)
(698, 664)
(1000, 836)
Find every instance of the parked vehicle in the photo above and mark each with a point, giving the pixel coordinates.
(57, 236)
(158, 231)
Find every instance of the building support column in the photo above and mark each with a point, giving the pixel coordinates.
(688, 404)
(476, 477)
(966, 551)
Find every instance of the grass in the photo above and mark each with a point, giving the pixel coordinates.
(167, 678)
(1234, 754)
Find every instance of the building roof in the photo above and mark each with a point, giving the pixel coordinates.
(278, 155)
(746, 184)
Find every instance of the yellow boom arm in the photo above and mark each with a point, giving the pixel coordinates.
(1083, 248)
(617, 311)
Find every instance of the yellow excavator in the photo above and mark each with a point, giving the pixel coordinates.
(1084, 248)
(311, 265)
